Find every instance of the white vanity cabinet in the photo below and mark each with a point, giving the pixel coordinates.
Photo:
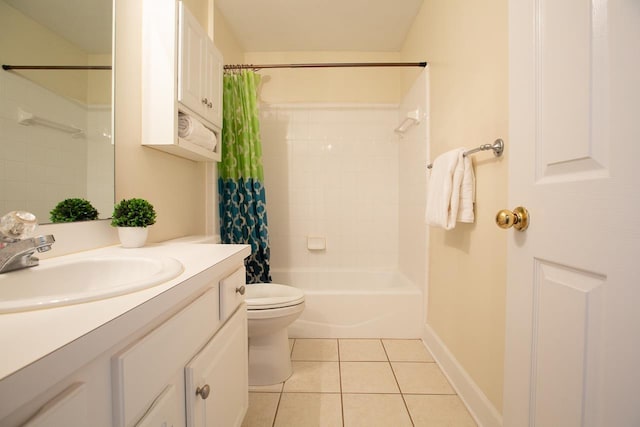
(151, 380)
(69, 409)
(150, 368)
(150, 365)
(182, 71)
(217, 377)
(37, 399)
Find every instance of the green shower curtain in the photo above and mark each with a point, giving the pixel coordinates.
(243, 213)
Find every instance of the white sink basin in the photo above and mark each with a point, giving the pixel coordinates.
(54, 283)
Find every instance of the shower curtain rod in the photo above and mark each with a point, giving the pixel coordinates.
(56, 67)
(326, 65)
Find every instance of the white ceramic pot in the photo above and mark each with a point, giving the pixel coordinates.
(133, 237)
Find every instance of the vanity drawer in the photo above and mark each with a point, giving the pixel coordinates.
(232, 290)
(144, 369)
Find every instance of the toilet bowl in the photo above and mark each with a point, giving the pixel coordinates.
(271, 308)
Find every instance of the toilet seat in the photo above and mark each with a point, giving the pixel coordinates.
(265, 296)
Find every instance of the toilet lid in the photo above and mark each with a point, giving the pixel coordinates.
(261, 296)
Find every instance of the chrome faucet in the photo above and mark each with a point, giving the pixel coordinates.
(16, 254)
(16, 247)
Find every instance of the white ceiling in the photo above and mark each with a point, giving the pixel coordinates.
(85, 23)
(320, 25)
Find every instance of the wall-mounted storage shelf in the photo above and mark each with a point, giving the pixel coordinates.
(181, 72)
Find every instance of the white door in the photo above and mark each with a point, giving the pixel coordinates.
(573, 294)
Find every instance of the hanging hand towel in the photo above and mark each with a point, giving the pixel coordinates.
(443, 193)
(190, 129)
(467, 193)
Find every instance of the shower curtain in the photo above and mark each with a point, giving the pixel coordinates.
(243, 213)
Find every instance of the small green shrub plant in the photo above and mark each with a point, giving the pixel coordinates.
(72, 210)
(133, 213)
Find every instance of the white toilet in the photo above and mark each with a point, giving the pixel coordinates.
(271, 308)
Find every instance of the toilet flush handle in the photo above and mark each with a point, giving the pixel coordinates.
(240, 290)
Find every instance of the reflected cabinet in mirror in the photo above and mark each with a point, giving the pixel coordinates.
(56, 133)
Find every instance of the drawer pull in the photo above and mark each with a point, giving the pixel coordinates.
(203, 391)
(240, 290)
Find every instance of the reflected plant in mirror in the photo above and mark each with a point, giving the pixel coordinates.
(56, 141)
(72, 210)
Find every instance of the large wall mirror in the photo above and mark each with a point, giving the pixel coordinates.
(56, 132)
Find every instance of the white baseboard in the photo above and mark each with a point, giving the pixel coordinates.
(481, 409)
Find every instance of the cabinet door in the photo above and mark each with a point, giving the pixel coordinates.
(217, 377)
(213, 83)
(164, 412)
(143, 370)
(191, 42)
(68, 409)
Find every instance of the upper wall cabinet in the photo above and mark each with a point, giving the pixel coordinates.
(181, 72)
(199, 70)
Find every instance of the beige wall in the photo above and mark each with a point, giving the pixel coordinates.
(26, 42)
(183, 192)
(200, 10)
(353, 85)
(99, 82)
(465, 44)
(175, 186)
(226, 42)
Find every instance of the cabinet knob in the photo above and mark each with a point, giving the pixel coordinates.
(203, 391)
(210, 105)
(240, 290)
(205, 101)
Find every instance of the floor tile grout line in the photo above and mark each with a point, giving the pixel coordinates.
(404, 402)
(340, 381)
(275, 415)
(273, 423)
(412, 393)
(342, 393)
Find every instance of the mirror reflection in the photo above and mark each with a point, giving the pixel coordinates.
(56, 124)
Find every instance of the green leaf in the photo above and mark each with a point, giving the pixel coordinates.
(133, 213)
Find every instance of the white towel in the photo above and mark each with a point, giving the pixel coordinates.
(467, 193)
(190, 129)
(451, 190)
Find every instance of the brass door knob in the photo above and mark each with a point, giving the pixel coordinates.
(518, 219)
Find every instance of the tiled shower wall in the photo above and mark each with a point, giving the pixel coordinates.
(100, 159)
(40, 166)
(331, 172)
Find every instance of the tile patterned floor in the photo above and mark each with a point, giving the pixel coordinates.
(358, 382)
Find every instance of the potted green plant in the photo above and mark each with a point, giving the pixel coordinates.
(132, 217)
(71, 210)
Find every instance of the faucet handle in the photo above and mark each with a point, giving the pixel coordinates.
(17, 225)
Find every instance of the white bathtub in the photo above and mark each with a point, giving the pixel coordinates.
(355, 304)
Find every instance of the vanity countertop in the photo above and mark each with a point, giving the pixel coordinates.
(29, 336)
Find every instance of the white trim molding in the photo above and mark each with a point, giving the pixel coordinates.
(480, 407)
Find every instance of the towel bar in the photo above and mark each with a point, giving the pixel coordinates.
(497, 147)
(28, 119)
